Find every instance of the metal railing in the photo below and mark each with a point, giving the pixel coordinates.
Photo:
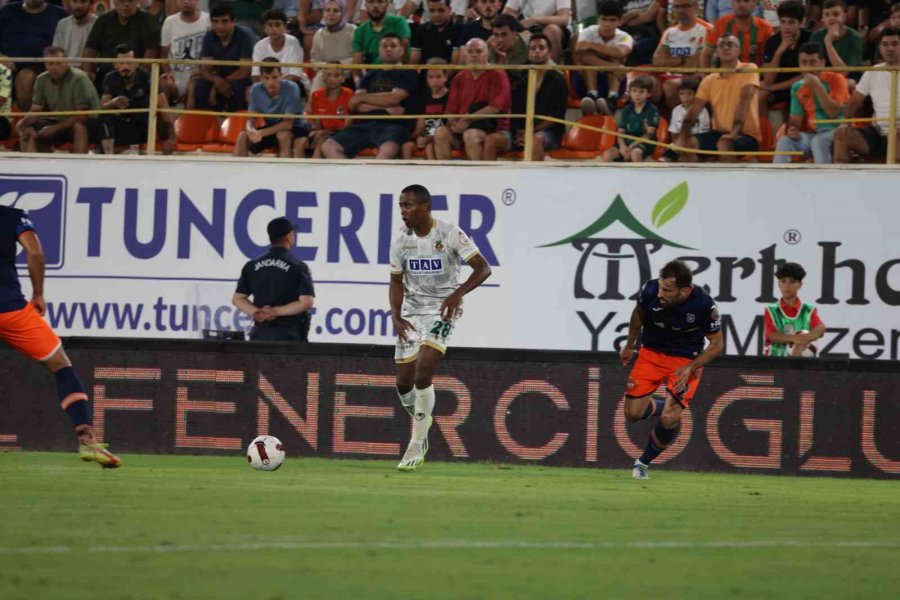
(529, 116)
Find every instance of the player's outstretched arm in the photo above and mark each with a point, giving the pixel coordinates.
(395, 296)
(481, 270)
(36, 261)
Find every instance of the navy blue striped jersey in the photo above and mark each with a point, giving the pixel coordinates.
(13, 223)
(678, 330)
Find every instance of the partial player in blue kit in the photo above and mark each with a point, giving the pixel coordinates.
(22, 326)
(677, 317)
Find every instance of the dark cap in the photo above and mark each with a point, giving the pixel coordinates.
(278, 228)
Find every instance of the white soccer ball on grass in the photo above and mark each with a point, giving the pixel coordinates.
(265, 453)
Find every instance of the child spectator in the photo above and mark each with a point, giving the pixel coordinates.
(686, 93)
(333, 99)
(603, 44)
(843, 45)
(431, 101)
(281, 45)
(639, 118)
(791, 325)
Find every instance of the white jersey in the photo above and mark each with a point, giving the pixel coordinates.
(429, 265)
(683, 43)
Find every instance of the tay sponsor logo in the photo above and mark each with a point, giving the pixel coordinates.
(426, 266)
(43, 197)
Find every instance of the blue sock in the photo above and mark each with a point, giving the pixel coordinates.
(660, 438)
(654, 407)
(72, 397)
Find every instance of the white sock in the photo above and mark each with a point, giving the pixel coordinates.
(424, 407)
(408, 400)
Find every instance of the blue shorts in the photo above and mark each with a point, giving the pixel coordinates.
(710, 139)
(552, 140)
(356, 138)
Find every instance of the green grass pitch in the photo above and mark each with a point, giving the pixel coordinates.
(211, 527)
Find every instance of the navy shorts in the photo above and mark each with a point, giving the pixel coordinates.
(271, 141)
(356, 138)
(876, 142)
(744, 143)
(552, 140)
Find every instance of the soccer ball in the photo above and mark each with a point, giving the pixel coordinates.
(265, 453)
(809, 352)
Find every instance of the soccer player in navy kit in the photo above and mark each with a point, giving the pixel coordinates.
(22, 326)
(675, 316)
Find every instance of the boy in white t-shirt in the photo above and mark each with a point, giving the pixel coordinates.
(686, 93)
(281, 45)
(603, 44)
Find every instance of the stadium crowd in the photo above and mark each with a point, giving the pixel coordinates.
(736, 112)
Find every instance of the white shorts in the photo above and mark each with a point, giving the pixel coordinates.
(430, 331)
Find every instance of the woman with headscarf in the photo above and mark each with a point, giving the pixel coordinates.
(334, 43)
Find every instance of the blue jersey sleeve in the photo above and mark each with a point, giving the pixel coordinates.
(23, 223)
(647, 294)
(715, 321)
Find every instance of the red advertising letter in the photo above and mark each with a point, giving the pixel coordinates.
(530, 386)
(183, 406)
(307, 428)
(102, 403)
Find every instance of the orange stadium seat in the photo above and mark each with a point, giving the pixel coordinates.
(228, 134)
(585, 144)
(573, 101)
(194, 131)
(662, 136)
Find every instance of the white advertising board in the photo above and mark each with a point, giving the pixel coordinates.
(153, 248)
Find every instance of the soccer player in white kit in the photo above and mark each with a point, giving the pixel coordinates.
(426, 301)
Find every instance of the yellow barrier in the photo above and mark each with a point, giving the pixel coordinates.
(529, 115)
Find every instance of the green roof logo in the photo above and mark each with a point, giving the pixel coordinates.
(666, 208)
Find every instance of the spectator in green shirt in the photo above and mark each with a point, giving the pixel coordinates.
(843, 45)
(59, 88)
(367, 36)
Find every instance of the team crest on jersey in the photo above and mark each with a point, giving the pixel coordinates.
(425, 266)
(439, 246)
(690, 318)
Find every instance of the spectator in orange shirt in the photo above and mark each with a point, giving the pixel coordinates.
(817, 96)
(680, 46)
(752, 32)
(732, 98)
(333, 99)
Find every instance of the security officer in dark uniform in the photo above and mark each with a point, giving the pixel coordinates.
(281, 286)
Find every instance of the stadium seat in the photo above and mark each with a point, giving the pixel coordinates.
(662, 136)
(228, 134)
(585, 144)
(768, 140)
(194, 131)
(573, 101)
